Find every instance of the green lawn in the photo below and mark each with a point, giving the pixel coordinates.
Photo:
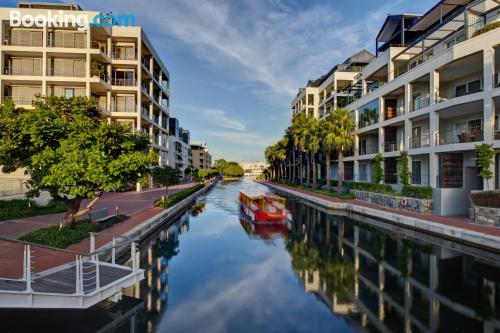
(179, 196)
(20, 208)
(61, 239)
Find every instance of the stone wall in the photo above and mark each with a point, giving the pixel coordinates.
(420, 206)
(487, 216)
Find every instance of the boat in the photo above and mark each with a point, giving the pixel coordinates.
(265, 207)
(267, 232)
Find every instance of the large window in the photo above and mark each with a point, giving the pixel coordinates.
(368, 114)
(470, 87)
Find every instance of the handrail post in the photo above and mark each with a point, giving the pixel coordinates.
(97, 282)
(113, 251)
(77, 275)
(28, 269)
(92, 243)
(80, 263)
(132, 256)
(24, 264)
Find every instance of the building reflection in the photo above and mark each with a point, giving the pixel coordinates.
(394, 280)
(154, 258)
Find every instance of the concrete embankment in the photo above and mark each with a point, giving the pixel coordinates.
(454, 228)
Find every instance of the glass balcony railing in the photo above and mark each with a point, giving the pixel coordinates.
(452, 137)
(124, 53)
(23, 71)
(123, 81)
(391, 146)
(420, 141)
(420, 102)
(368, 149)
(117, 106)
(20, 100)
(27, 39)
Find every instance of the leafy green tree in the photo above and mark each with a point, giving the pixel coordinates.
(219, 165)
(312, 142)
(378, 171)
(484, 160)
(298, 132)
(166, 176)
(203, 173)
(404, 169)
(66, 149)
(233, 170)
(342, 138)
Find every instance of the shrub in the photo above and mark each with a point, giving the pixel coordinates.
(373, 187)
(21, 208)
(378, 171)
(61, 239)
(418, 192)
(177, 197)
(404, 169)
(486, 199)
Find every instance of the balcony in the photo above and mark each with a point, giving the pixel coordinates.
(145, 63)
(66, 72)
(454, 136)
(420, 102)
(368, 149)
(124, 82)
(392, 146)
(103, 75)
(124, 53)
(420, 141)
(23, 71)
(67, 39)
(20, 100)
(122, 106)
(24, 38)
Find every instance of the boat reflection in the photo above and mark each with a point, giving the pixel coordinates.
(262, 230)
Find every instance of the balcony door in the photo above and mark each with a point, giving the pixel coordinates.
(416, 137)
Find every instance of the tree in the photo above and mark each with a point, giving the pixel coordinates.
(312, 143)
(298, 131)
(233, 169)
(342, 138)
(484, 160)
(219, 165)
(378, 171)
(166, 176)
(203, 173)
(187, 172)
(404, 170)
(66, 149)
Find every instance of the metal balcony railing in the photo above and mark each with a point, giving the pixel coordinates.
(23, 71)
(391, 146)
(420, 141)
(451, 137)
(123, 82)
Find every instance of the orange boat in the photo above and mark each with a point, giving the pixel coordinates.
(264, 207)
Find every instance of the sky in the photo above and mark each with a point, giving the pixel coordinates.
(236, 65)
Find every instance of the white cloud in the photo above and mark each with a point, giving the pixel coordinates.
(214, 116)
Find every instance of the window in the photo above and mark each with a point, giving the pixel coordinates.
(474, 86)
(368, 114)
(461, 90)
(416, 172)
(470, 87)
(69, 92)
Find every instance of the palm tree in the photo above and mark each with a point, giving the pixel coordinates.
(270, 158)
(328, 144)
(298, 133)
(290, 150)
(280, 156)
(342, 138)
(313, 140)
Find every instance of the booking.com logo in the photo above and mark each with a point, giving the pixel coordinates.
(62, 20)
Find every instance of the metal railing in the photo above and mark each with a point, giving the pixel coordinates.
(451, 137)
(20, 100)
(391, 146)
(123, 82)
(420, 141)
(33, 268)
(23, 71)
(145, 63)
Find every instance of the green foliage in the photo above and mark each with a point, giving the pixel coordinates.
(487, 28)
(418, 192)
(203, 173)
(61, 239)
(378, 171)
(486, 199)
(219, 165)
(187, 171)
(373, 187)
(233, 169)
(404, 169)
(330, 193)
(97, 67)
(66, 149)
(177, 197)
(484, 160)
(18, 209)
(166, 175)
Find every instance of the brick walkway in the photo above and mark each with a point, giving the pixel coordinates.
(139, 206)
(455, 221)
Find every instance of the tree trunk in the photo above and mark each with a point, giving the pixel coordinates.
(308, 168)
(314, 169)
(341, 170)
(327, 162)
(293, 166)
(74, 211)
(301, 168)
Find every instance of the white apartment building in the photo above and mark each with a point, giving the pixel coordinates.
(433, 90)
(253, 169)
(179, 153)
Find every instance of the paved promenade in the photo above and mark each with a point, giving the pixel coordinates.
(137, 205)
(462, 222)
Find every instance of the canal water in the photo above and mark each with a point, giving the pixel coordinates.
(214, 271)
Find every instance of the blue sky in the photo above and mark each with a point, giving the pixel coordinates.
(236, 65)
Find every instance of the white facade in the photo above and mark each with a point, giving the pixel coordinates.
(436, 96)
(254, 168)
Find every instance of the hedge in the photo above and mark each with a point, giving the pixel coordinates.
(61, 239)
(486, 199)
(372, 187)
(21, 208)
(418, 192)
(177, 197)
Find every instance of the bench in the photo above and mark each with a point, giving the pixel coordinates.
(100, 215)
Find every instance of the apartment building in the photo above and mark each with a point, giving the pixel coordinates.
(433, 90)
(202, 159)
(117, 65)
(254, 169)
(179, 153)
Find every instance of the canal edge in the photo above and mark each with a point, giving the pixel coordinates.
(451, 232)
